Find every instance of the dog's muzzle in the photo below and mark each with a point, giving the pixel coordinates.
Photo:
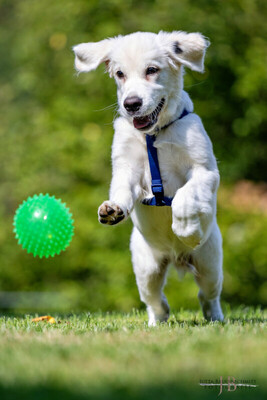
(146, 122)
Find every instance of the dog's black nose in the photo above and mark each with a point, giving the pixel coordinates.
(133, 103)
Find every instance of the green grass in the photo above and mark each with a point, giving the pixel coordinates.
(116, 356)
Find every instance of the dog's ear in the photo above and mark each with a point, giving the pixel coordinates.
(88, 56)
(186, 48)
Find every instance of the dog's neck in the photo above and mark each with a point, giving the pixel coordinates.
(180, 116)
(184, 103)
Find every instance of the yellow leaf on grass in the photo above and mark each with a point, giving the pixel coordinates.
(46, 318)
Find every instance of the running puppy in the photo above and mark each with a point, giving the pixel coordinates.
(165, 175)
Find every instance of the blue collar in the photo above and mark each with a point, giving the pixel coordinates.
(156, 183)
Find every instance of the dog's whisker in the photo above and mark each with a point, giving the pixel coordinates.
(115, 117)
(114, 105)
(195, 84)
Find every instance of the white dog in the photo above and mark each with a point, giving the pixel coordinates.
(160, 141)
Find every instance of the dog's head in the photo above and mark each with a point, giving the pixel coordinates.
(148, 69)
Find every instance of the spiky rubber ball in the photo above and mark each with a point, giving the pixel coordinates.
(43, 225)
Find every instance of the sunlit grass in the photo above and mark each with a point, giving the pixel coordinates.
(117, 356)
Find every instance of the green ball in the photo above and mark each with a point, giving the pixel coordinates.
(43, 225)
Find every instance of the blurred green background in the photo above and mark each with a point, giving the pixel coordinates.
(55, 137)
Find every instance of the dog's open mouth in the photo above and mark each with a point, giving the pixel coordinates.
(143, 123)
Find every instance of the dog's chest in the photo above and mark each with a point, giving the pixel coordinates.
(173, 165)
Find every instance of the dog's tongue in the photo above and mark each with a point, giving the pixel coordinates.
(140, 123)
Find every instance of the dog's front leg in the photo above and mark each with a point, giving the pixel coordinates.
(194, 207)
(121, 197)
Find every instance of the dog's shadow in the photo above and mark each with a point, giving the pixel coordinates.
(201, 322)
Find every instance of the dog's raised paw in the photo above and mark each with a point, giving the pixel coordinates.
(110, 214)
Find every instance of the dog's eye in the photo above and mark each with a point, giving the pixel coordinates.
(120, 74)
(151, 70)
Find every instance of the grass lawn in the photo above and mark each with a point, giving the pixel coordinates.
(116, 356)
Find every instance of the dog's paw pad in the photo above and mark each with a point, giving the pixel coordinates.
(110, 214)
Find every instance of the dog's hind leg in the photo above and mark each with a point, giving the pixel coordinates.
(150, 267)
(209, 277)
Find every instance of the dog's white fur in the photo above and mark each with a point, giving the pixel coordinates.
(185, 234)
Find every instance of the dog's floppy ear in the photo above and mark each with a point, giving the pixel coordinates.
(186, 48)
(88, 56)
